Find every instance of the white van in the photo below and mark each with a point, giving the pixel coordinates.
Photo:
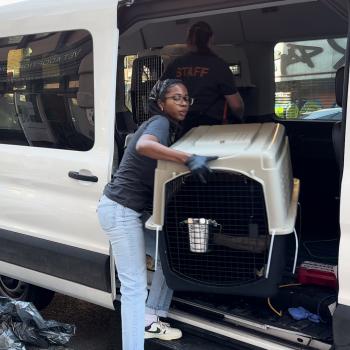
(74, 79)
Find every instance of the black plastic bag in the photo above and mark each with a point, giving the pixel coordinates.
(8, 340)
(57, 333)
(22, 323)
(29, 334)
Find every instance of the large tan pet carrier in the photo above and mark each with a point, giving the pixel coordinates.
(229, 235)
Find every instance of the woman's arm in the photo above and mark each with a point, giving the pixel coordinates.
(149, 146)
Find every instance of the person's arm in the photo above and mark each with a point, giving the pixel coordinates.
(149, 146)
(227, 87)
(236, 104)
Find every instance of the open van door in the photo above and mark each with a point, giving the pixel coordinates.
(342, 313)
(57, 111)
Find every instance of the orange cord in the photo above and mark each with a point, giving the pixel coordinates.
(280, 313)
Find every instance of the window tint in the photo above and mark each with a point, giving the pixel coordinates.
(305, 77)
(46, 91)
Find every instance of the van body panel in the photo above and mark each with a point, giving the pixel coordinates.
(55, 259)
(75, 290)
(37, 191)
(39, 199)
(344, 256)
(27, 10)
(344, 218)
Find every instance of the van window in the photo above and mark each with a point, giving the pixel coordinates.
(304, 79)
(46, 90)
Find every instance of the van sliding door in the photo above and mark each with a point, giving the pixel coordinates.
(57, 98)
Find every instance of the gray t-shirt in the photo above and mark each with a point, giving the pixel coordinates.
(133, 182)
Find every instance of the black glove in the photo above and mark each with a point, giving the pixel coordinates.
(199, 167)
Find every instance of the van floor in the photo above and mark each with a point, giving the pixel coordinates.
(258, 311)
(315, 299)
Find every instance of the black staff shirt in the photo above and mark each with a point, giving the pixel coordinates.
(208, 79)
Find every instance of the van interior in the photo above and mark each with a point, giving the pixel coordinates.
(288, 59)
(290, 63)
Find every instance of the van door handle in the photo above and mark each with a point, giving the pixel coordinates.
(75, 175)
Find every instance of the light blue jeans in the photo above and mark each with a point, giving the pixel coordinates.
(125, 231)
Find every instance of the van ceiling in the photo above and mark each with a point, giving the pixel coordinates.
(151, 23)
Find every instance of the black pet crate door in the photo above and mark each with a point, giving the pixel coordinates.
(216, 233)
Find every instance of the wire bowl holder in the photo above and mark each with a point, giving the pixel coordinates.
(200, 233)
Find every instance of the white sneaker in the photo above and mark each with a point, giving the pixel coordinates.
(163, 331)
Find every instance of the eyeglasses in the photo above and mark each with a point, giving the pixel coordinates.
(178, 99)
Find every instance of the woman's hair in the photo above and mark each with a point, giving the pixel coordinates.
(199, 36)
(158, 93)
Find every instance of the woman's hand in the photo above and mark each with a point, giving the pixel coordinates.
(149, 146)
(199, 166)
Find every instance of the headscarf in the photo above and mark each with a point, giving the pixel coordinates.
(158, 93)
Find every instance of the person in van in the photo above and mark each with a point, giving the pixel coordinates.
(208, 78)
(120, 209)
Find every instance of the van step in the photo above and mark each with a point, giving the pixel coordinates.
(202, 334)
(211, 317)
